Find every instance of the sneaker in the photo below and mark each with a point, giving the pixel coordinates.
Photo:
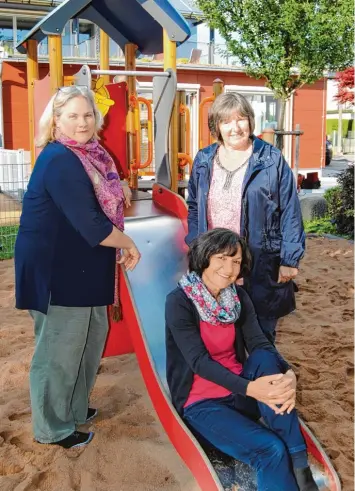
(91, 414)
(75, 440)
(305, 479)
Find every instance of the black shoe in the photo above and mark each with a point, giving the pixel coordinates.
(75, 440)
(92, 413)
(305, 479)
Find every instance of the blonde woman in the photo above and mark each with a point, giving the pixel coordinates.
(65, 263)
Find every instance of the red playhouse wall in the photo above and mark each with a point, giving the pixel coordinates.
(308, 106)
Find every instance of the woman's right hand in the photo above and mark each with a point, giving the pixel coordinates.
(272, 390)
(130, 257)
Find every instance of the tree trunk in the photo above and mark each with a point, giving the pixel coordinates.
(281, 124)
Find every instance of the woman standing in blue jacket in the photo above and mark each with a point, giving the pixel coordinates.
(244, 184)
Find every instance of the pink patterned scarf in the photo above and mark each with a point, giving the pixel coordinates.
(108, 190)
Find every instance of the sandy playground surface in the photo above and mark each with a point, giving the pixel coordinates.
(130, 451)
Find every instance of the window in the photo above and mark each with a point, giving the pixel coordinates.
(86, 31)
(24, 25)
(266, 110)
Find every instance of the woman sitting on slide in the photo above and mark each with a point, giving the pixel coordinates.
(219, 391)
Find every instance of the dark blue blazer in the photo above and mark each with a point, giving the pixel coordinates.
(58, 258)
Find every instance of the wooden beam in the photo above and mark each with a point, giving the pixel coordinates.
(32, 75)
(104, 55)
(55, 61)
(170, 62)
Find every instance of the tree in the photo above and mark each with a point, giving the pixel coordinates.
(345, 82)
(289, 43)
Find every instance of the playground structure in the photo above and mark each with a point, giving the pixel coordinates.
(156, 222)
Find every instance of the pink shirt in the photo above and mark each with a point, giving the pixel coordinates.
(224, 205)
(219, 341)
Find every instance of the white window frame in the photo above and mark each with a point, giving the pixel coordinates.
(189, 89)
(254, 89)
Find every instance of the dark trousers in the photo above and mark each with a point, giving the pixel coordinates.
(231, 425)
(268, 326)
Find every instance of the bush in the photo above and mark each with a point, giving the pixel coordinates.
(333, 199)
(340, 201)
(319, 226)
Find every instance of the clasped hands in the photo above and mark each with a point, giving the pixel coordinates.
(276, 391)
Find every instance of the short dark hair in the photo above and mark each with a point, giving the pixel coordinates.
(217, 241)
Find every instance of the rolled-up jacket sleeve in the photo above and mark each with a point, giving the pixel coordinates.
(72, 192)
(292, 231)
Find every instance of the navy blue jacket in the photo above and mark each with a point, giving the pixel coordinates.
(186, 353)
(271, 221)
(58, 258)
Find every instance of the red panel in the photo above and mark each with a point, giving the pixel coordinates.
(171, 202)
(113, 135)
(42, 95)
(315, 449)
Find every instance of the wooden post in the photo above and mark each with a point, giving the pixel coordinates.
(217, 87)
(55, 61)
(297, 155)
(104, 55)
(32, 75)
(268, 135)
(217, 90)
(170, 62)
(130, 64)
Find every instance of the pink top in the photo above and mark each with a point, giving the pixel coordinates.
(224, 204)
(219, 341)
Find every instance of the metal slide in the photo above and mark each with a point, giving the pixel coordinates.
(160, 238)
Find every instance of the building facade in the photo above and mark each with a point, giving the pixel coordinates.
(200, 61)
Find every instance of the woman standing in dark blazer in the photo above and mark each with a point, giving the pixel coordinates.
(67, 249)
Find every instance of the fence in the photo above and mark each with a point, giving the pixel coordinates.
(15, 170)
(349, 145)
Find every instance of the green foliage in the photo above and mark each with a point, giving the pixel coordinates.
(320, 226)
(7, 241)
(332, 125)
(340, 201)
(333, 198)
(288, 42)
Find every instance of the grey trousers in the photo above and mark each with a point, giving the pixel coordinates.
(69, 342)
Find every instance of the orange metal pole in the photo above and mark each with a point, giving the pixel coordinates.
(130, 64)
(150, 133)
(200, 118)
